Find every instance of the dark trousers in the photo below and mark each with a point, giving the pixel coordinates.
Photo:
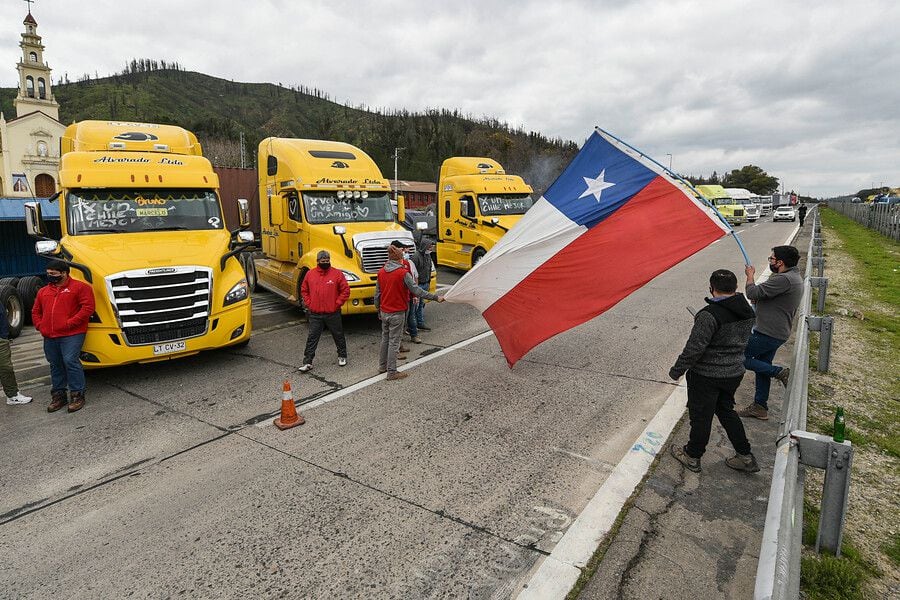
(317, 323)
(707, 397)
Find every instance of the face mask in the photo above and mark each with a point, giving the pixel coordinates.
(324, 265)
(54, 278)
(406, 255)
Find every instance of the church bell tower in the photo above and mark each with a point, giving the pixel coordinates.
(35, 93)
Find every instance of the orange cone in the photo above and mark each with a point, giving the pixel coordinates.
(289, 415)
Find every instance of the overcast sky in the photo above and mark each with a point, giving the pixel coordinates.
(807, 90)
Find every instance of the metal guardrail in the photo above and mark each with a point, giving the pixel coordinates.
(778, 570)
(883, 218)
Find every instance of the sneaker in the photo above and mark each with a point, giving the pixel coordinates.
(415, 339)
(690, 463)
(754, 410)
(743, 462)
(783, 375)
(306, 367)
(342, 362)
(19, 398)
(423, 327)
(397, 375)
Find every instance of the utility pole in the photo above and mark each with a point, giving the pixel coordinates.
(396, 182)
(670, 160)
(242, 150)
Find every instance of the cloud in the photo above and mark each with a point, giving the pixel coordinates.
(806, 91)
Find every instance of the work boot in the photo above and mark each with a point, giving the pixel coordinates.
(783, 375)
(397, 375)
(415, 339)
(743, 462)
(77, 401)
(754, 410)
(57, 401)
(689, 462)
(403, 348)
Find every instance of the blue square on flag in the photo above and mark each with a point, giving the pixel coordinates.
(597, 182)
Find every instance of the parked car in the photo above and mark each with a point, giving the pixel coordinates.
(784, 213)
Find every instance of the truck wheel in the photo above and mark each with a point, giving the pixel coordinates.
(10, 281)
(477, 255)
(15, 310)
(28, 288)
(249, 270)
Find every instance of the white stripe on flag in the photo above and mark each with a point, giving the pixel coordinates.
(536, 238)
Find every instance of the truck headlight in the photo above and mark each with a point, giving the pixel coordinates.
(350, 276)
(237, 293)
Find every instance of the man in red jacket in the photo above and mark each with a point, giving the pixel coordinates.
(324, 291)
(61, 313)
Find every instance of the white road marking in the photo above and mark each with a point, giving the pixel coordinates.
(380, 377)
(559, 571)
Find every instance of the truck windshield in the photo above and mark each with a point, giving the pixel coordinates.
(326, 207)
(504, 204)
(135, 210)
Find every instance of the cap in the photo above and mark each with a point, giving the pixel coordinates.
(322, 254)
(401, 244)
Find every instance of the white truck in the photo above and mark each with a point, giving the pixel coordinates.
(745, 197)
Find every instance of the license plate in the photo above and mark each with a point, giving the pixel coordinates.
(169, 347)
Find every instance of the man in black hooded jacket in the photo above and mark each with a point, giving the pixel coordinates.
(713, 358)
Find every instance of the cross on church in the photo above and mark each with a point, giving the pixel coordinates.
(30, 2)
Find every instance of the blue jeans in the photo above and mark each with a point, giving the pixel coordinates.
(420, 307)
(411, 323)
(64, 356)
(758, 357)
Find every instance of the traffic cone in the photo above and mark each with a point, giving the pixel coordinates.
(289, 415)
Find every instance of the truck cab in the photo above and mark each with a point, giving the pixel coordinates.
(142, 224)
(322, 195)
(477, 203)
(724, 203)
(746, 198)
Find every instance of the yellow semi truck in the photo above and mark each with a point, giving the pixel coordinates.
(477, 203)
(323, 195)
(142, 224)
(732, 210)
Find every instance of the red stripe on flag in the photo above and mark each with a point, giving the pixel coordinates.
(656, 229)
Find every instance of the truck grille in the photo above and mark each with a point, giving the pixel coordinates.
(373, 258)
(170, 304)
(739, 212)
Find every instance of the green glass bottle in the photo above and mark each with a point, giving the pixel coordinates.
(839, 425)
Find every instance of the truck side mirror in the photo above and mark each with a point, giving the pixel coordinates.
(244, 212)
(401, 208)
(34, 221)
(421, 225)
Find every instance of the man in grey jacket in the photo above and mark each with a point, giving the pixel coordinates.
(776, 301)
(713, 358)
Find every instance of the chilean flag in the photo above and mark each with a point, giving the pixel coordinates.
(610, 223)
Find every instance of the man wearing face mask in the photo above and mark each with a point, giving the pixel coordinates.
(324, 291)
(776, 301)
(61, 313)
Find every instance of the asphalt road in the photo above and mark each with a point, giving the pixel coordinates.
(454, 482)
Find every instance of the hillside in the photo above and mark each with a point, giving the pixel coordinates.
(218, 111)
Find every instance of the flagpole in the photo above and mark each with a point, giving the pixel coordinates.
(688, 184)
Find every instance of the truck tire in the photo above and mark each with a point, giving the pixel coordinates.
(15, 310)
(477, 255)
(28, 288)
(249, 270)
(10, 281)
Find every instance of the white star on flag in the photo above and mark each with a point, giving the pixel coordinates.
(596, 186)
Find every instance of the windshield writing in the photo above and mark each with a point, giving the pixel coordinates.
(326, 207)
(131, 211)
(504, 204)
